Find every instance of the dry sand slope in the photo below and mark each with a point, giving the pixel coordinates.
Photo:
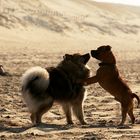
(40, 32)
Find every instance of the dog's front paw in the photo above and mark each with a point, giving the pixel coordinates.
(84, 123)
(70, 122)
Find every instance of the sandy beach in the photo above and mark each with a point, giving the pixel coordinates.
(40, 33)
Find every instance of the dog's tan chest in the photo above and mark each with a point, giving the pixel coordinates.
(107, 77)
(107, 73)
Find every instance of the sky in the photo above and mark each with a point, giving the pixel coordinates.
(128, 2)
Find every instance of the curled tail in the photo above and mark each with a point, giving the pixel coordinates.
(136, 96)
(35, 80)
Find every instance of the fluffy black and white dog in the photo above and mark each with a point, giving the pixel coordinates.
(63, 84)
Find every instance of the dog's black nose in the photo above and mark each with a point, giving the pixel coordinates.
(86, 57)
(93, 53)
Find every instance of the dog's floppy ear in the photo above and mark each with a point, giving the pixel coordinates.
(67, 56)
(85, 58)
(108, 47)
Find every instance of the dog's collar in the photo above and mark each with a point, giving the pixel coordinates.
(106, 64)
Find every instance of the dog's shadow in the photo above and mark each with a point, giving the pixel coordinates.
(54, 127)
(42, 127)
(106, 126)
(14, 129)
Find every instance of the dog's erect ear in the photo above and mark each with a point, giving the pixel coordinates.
(67, 56)
(108, 47)
(85, 58)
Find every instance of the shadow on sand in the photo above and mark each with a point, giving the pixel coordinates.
(42, 127)
(54, 127)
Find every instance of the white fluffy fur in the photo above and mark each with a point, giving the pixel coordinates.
(41, 83)
(89, 69)
(42, 73)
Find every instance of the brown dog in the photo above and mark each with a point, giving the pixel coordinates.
(108, 77)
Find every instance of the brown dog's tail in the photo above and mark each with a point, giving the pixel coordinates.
(138, 99)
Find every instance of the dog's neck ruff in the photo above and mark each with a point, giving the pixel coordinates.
(106, 64)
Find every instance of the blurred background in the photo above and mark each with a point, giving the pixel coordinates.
(87, 21)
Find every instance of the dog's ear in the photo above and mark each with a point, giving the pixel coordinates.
(67, 56)
(85, 58)
(108, 48)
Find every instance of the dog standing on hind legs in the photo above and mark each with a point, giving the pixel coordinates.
(108, 78)
(63, 84)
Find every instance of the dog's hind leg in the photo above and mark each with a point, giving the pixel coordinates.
(36, 117)
(124, 110)
(33, 118)
(131, 115)
(67, 111)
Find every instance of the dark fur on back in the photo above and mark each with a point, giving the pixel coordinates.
(65, 79)
(61, 86)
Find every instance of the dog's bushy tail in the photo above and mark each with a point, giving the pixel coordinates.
(35, 79)
(138, 99)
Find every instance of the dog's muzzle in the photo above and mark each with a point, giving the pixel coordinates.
(86, 57)
(94, 54)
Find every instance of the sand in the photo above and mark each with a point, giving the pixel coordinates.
(39, 33)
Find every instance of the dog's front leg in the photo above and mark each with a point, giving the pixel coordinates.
(91, 80)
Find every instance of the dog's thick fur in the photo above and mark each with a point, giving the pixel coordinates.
(42, 87)
(108, 77)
